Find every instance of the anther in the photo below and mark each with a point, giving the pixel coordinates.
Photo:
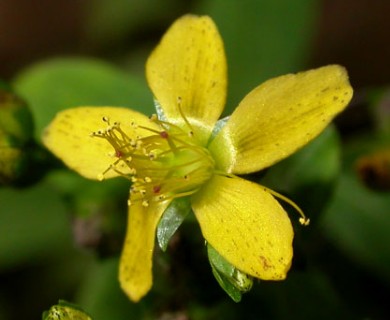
(129, 202)
(304, 221)
(147, 179)
(133, 124)
(145, 203)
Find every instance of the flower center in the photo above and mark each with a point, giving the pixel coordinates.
(167, 163)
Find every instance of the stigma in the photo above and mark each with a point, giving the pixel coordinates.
(165, 163)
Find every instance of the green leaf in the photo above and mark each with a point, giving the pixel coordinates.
(232, 280)
(33, 224)
(102, 296)
(219, 263)
(63, 83)
(173, 217)
(357, 221)
(226, 285)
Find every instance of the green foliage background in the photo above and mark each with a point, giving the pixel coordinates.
(60, 235)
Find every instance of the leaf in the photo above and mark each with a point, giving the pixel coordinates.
(102, 296)
(232, 280)
(61, 83)
(33, 224)
(357, 220)
(173, 217)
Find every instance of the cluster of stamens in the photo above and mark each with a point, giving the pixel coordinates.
(164, 162)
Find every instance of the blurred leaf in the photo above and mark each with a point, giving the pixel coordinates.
(263, 39)
(103, 298)
(33, 224)
(98, 210)
(309, 175)
(109, 21)
(62, 83)
(358, 221)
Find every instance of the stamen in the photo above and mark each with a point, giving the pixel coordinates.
(166, 157)
(302, 220)
(183, 116)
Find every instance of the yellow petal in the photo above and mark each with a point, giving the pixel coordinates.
(189, 65)
(135, 271)
(280, 116)
(69, 137)
(246, 225)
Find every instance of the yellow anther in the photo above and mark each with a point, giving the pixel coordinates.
(100, 176)
(153, 117)
(145, 203)
(147, 179)
(129, 202)
(304, 221)
(134, 179)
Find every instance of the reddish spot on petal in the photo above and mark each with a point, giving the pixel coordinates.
(156, 189)
(164, 134)
(265, 263)
(118, 153)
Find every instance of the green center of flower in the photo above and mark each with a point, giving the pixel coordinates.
(167, 163)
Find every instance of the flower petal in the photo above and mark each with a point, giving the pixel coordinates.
(135, 270)
(189, 65)
(280, 116)
(69, 137)
(246, 225)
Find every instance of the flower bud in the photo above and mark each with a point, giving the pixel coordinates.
(16, 130)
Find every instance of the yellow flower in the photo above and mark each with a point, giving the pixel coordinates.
(177, 153)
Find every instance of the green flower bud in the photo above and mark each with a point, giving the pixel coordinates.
(65, 311)
(16, 130)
